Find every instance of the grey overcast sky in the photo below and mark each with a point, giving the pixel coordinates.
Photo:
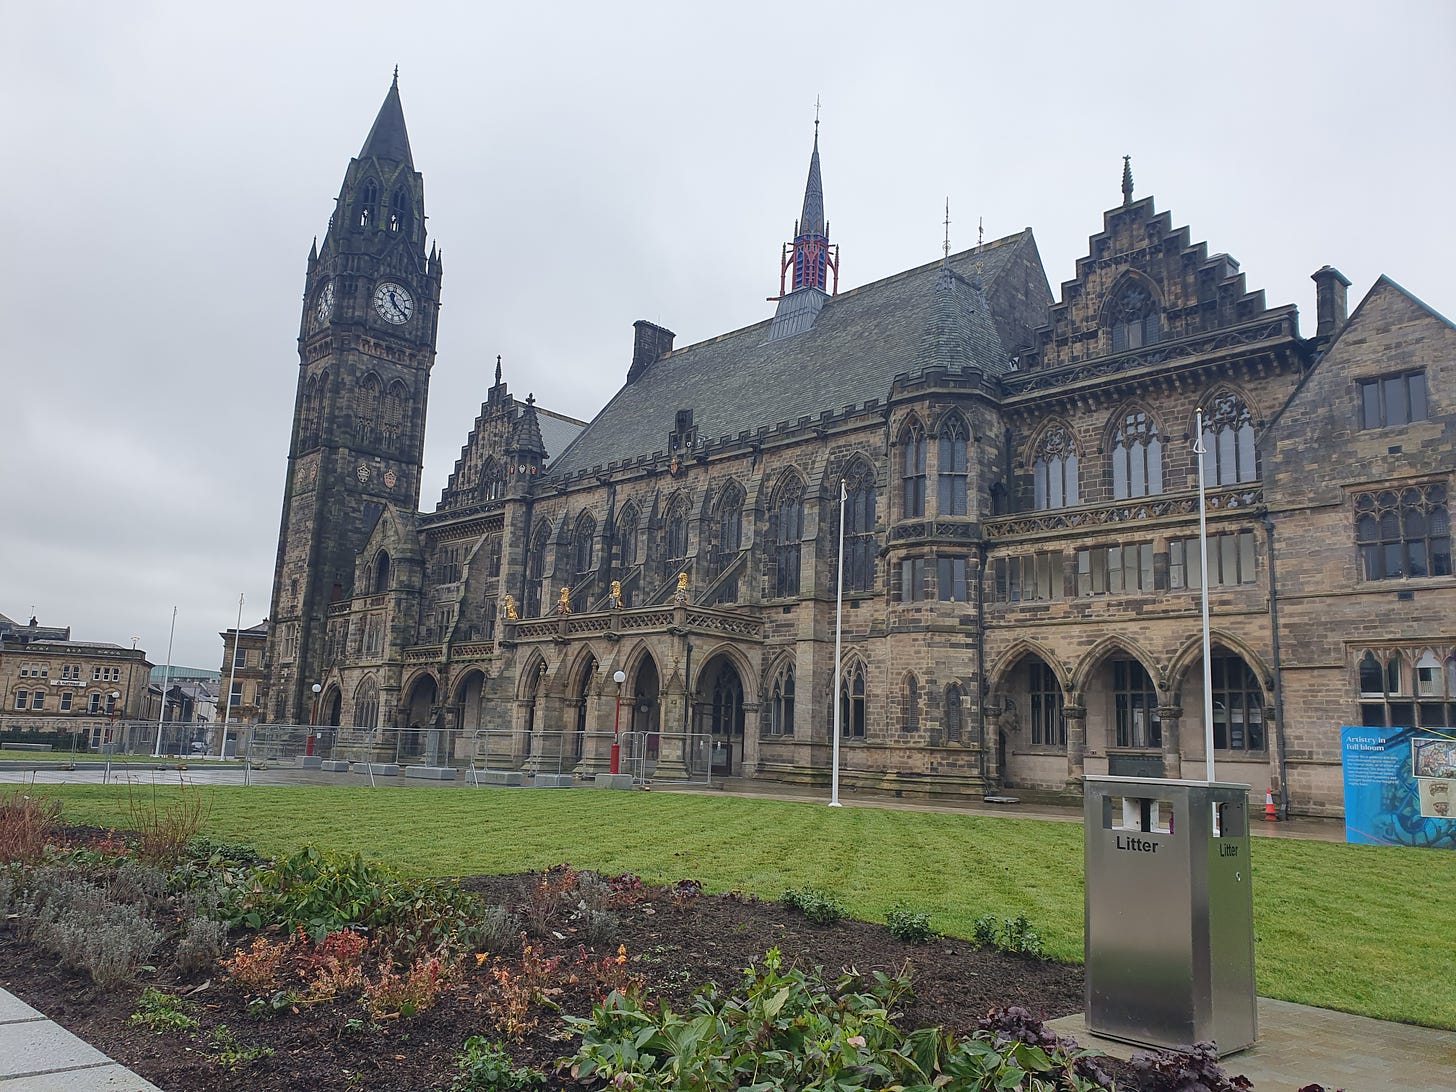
(586, 165)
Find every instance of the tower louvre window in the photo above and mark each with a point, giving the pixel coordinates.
(399, 212)
(368, 198)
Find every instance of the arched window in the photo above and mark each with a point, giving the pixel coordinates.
(627, 539)
(535, 573)
(1405, 533)
(366, 705)
(1134, 319)
(910, 704)
(953, 711)
(381, 572)
(368, 198)
(583, 540)
(1228, 442)
(781, 708)
(1048, 725)
(789, 535)
(728, 529)
(399, 212)
(367, 420)
(1238, 706)
(860, 546)
(1054, 469)
(392, 411)
(492, 484)
(912, 471)
(308, 426)
(852, 701)
(1137, 458)
(951, 469)
(1136, 703)
(677, 538)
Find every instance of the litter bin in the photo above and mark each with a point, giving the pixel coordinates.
(1169, 912)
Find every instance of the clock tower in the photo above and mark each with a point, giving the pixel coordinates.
(365, 348)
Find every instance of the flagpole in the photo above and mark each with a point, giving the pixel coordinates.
(166, 681)
(838, 640)
(1203, 570)
(232, 675)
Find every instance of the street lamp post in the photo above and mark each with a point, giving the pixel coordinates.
(312, 718)
(110, 744)
(619, 677)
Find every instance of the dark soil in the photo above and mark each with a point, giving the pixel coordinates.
(673, 943)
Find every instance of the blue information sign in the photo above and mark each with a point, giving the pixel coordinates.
(1400, 786)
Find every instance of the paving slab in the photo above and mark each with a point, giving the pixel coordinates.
(38, 1055)
(1300, 1045)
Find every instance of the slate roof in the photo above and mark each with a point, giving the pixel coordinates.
(388, 139)
(557, 430)
(858, 343)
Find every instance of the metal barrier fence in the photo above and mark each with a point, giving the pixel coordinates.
(101, 735)
(502, 755)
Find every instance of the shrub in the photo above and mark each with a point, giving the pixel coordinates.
(323, 892)
(86, 930)
(1017, 937)
(161, 1011)
(201, 945)
(335, 964)
(547, 896)
(819, 906)
(259, 968)
(165, 829)
(495, 929)
(27, 824)
(595, 928)
(137, 882)
(1175, 1071)
(484, 1066)
(407, 994)
(911, 926)
(1015, 1024)
(985, 932)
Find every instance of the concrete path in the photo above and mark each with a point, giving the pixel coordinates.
(38, 1055)
(1299, 1045)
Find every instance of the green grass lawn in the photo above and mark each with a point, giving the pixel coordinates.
(1366, 929)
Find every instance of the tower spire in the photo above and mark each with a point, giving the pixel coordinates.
(810, 256)
(1127, 180)
(945, 247)
(388, 140)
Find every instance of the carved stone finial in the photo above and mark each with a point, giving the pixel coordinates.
(1127, 180)
(511, 615)
(563, 601)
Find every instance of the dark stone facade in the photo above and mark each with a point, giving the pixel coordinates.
(1022, 598)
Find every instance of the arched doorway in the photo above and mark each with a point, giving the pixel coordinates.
(646, 705)
(469, 701)
(420, 705)
(722, 693)
(572, 745)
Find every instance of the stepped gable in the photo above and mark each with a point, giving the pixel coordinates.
(858, 343)
(1142, 282)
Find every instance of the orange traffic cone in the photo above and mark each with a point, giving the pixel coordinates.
(1270, 815)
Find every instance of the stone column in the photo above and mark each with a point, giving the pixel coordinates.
(596, 750)
(748, 759)
(991, 745)
(1169, 720)
(1076, 744)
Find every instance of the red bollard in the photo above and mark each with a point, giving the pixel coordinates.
(616, 763)
(308, 745)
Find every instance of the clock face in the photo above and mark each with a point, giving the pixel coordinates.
(325, 309)
(394, 303)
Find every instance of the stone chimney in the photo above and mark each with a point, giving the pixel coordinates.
(650, 344)
(1330, 307)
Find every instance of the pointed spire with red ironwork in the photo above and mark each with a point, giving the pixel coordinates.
(810, 256)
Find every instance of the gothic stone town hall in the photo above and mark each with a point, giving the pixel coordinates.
(1021, 566)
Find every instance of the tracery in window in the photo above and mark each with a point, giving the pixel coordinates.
(852, 701)
(781, 708)
(1137, 457)
(1228, 442)
(912, 470)
(860, 546)
(789, 534)
(1403, 533)
(951, 467)
(1054, 469)
(583, 541)
(1135, 321)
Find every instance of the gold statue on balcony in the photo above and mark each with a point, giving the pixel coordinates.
(511, 615)
(682, 589)
(615, 598)
(563, 601)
